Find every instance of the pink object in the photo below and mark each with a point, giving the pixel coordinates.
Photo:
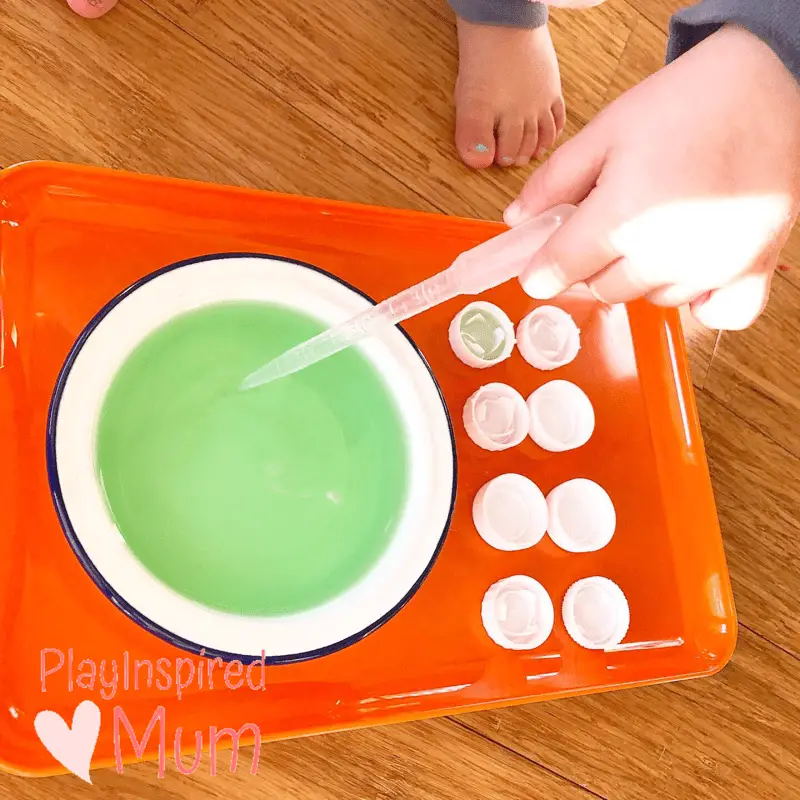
(72, 747)
(91, 9)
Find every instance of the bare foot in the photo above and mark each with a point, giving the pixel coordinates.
(509, 106)
(91, 9)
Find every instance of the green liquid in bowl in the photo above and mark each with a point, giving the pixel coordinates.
(264, 502)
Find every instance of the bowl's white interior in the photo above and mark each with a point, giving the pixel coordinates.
(429, 442)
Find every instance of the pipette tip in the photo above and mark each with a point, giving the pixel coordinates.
(255, 379)
(270, 372)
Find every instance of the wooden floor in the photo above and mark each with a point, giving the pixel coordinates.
(351, 99)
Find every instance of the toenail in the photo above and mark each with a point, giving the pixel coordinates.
(523, 161)
(507, 160)
(481, 148)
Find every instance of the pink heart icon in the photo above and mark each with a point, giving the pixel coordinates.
(71, 747)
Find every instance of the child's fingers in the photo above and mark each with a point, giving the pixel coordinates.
(736, 306)
(578, 250)
(566, 177)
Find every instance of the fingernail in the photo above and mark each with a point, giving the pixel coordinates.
(523, 161)
(542, 283)
(514, 214)
(481, 148)
(507, 160)
(594, 293)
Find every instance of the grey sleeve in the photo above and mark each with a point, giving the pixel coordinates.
(512, 13)
(776, 22)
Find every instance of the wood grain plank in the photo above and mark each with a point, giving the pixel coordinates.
(383, 82)
(643, 55)
(658, 12)
(755, 371)
(133, 91)
(732, 736)
(590, 43)
(758, 503)
(701, 346)
(416, 761)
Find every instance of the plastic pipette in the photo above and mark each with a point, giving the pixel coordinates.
(486, 266)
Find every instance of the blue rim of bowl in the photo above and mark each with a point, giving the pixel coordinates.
(96, 576)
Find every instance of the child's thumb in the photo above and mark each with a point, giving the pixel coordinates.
(566, 177)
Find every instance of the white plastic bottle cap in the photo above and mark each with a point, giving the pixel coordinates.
(596, 613)
(496, 417)
(582, 518)
(548, 338)
(561, 415)
(518, 613)
(481, 334)
(510, 512)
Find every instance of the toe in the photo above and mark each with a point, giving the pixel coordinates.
(530, 139)
(475, 134)
(509, 139)
(547, 133)
(91, 9)
(559, 112)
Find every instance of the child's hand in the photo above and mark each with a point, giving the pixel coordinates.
(688, 186)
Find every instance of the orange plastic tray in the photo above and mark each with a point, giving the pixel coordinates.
(71, 238)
